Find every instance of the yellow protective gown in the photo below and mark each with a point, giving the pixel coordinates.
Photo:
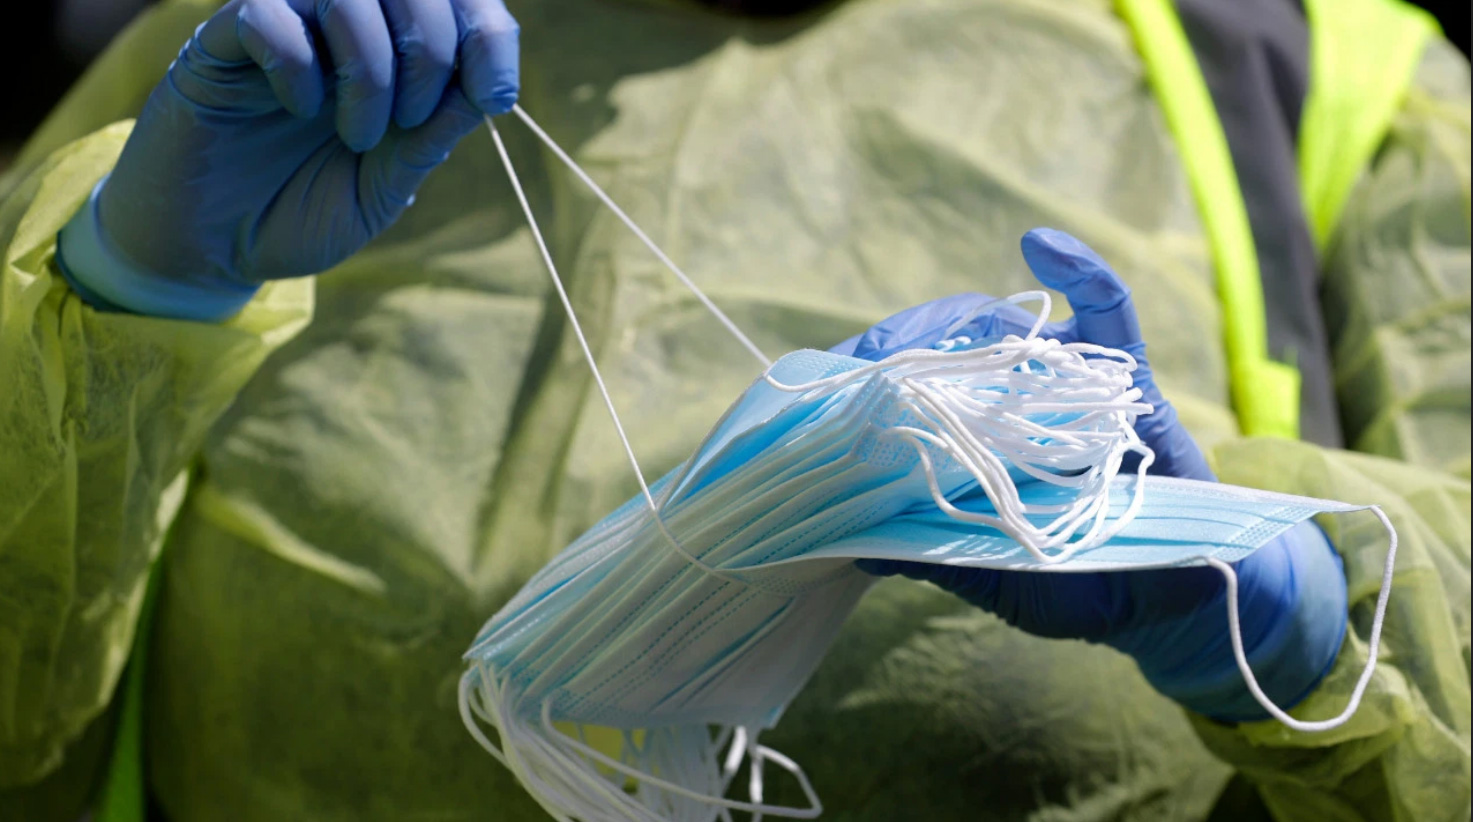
(350, 499)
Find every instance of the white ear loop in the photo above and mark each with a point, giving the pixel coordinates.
(997, 302)
(1235, 633)
(638, 232)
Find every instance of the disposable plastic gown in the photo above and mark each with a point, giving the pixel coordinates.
(388, 476)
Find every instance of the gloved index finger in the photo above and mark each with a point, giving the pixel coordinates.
(1103, 311)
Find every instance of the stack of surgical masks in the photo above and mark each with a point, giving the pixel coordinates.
(688, 619)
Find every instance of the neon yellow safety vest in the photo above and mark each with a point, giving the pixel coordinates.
(1362, 57)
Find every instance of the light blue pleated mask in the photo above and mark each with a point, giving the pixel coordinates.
(707, 601)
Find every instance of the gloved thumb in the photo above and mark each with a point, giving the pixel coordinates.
(1103, 311)
(394, 169)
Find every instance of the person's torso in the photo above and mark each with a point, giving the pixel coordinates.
(396, 472)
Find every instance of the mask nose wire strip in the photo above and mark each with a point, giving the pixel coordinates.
(603, 389)
(644, 238)
(1235, 633)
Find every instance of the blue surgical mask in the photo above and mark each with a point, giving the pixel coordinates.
(709, 600)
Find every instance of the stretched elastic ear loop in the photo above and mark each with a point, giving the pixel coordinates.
(638, 232)
(1235, 632)
(767, 753)
(603, 390)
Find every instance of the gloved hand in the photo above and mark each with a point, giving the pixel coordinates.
(1173, 622)
(1103, 315)
(287, 135)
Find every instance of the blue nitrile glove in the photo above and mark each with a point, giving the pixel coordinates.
(286, 135)
(1173, 622)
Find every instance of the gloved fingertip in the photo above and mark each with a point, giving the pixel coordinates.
(490, 58)
(1051, 237)
(500, 100)
(1059, 259)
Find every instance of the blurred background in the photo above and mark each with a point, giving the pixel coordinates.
(46, 44)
